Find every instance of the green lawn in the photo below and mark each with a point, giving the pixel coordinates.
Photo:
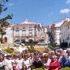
(66, 68)
(39, 69)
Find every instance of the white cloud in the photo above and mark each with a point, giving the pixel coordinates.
(65, 11)
(67, 1)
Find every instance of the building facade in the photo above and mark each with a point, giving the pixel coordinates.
(8, 37)
(65, 31)
(58, 32)
(55, 32)
(29, 30)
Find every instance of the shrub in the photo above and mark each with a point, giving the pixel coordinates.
(9, 50)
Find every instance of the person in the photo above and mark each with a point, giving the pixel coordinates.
(8, 62)
(67, 63)
(2, 62)
(54, 65)
(26, 63)
(19, 61)
(37, 63)
(15, 63)
(46, 61)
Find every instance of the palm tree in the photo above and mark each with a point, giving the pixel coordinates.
(30, 43)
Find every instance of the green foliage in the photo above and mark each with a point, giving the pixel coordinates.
(31, 43)
(49, 46)
(51, 37)
(9, 50)
(30, 47)
(3, 21)
(66, 68)
(39, 69)
(3, 5)
(52, 45)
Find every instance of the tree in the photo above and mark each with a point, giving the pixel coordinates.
(3, 21)
(64, 45)
(52, 43)
(3, 5)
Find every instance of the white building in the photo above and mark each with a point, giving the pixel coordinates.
(65, 31)
(26, 31)
(9, 35)
(57, 32)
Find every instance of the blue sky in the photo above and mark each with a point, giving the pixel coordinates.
(42, 11)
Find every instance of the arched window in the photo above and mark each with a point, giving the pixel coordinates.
(5, 39)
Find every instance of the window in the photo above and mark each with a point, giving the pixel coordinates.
(23, 29)
(68, 27)
(30, 30)
(24, 32)
(17, 29)
(30, 33)
(30, 26)
(68, 38)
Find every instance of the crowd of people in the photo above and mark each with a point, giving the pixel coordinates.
(49, 60)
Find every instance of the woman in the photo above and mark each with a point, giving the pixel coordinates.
(46, 61)
(26, 63)
(54, 65)
(20, 61)
(15, 63)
